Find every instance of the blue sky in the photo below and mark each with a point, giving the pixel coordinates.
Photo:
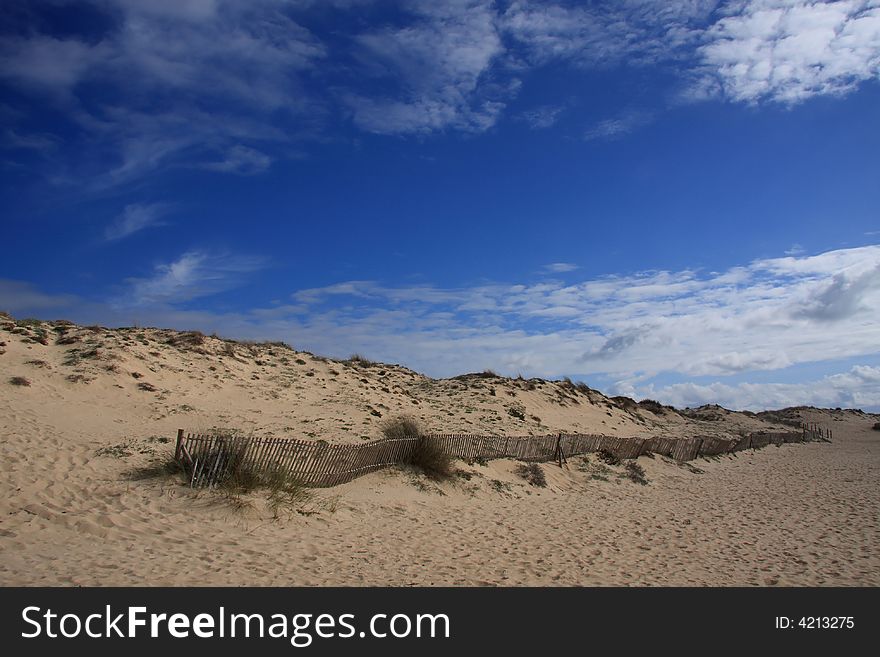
(675, 200)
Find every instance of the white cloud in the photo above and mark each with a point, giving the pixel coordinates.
(560, 267)
(134, 218)
(194, 274)
(846, 294)
(241, 160)
(789, 50)
(858, 387)
(183, 74)
(769, 314)
(635, 31)
(47, 63)
(190, 10)
(542, 117)
(617, 127)
(438, 63)
(36, 141)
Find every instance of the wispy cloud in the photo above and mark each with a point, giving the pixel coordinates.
(31, 141)
(48, 64)
(241, 160)
(192, 79)
(135, 218)
(193, 275)
(542, 117)
(437, 63)
(189, 79)
(618, 126)
(560, 267)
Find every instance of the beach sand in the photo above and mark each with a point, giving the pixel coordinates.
(798, 514)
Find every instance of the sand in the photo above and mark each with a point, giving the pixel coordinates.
(798, 514)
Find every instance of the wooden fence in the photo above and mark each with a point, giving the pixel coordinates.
(208, 459)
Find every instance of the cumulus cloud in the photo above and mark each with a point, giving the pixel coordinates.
(789, 50)
(844, 296)
(859, 387)
(765, 315)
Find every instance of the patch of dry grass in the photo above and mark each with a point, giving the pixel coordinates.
(532, 473)
(427, 456)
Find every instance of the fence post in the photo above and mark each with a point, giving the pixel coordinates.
(560, 454)
(179, 444)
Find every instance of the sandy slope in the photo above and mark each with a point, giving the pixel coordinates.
(796, 514)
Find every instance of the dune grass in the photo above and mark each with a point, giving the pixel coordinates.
(532, 473)
(427, 455)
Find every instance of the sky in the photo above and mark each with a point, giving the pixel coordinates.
(671, 200)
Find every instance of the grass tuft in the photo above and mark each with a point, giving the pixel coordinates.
(654, 406)
(636, 473)
(188, 341)
(284, 493)
(404, 426)
(532, 473)
(427, 456)
(609, 457)
(432, 460)
(359, 361)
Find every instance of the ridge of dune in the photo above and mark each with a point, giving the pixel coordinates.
(158, 380)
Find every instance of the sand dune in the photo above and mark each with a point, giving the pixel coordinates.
(82, 406)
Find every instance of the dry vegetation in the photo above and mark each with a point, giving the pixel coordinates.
(532, 473)
(427, 456)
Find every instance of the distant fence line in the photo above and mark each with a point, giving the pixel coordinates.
(319, 464)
